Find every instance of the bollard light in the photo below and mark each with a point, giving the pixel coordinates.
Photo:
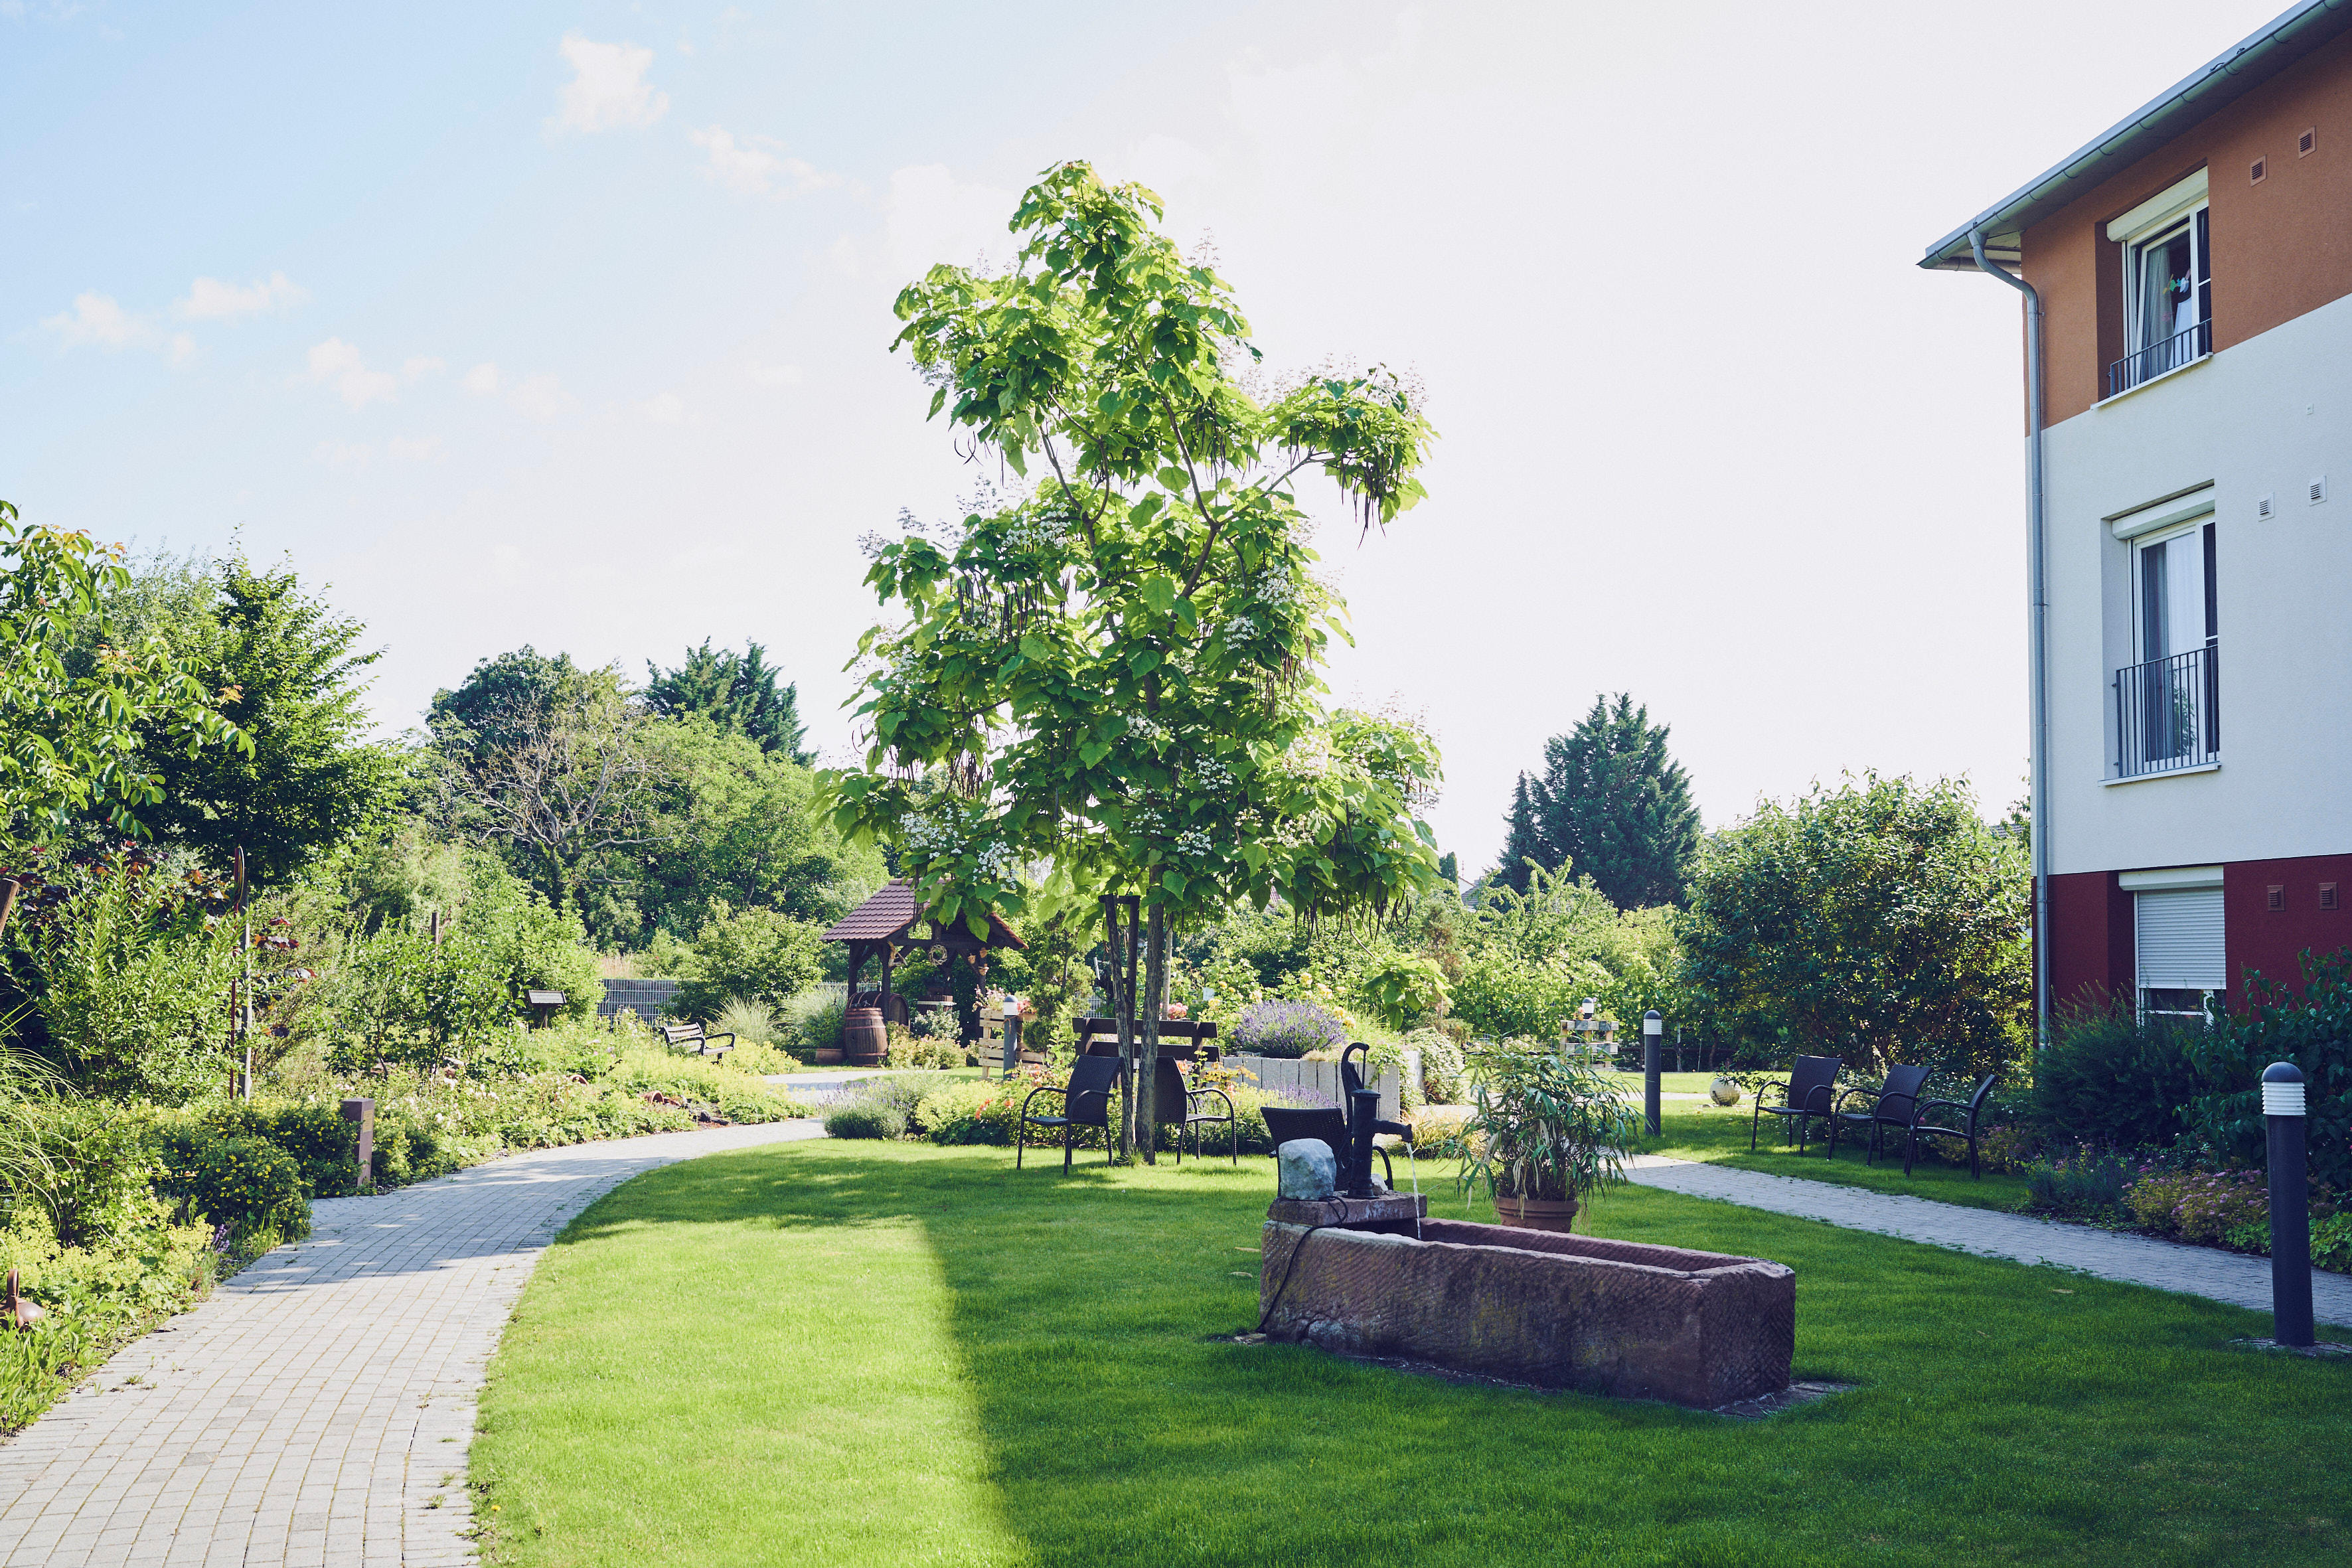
(1012, 1033)
(2289, 1191)
(1653, 1029)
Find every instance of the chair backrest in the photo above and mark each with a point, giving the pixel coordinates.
(1976, 1100)
(1903, 1084)
(1092, 1080)
(1169, 1100)
(1284, 1123)
(1814, 1079)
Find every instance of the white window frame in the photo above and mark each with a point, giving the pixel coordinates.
(2157, 218)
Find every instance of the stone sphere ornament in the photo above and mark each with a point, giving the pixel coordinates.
(1724, 1091)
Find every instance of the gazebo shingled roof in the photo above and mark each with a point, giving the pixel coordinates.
(891, 913)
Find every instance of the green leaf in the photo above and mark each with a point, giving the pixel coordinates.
(1159, 591)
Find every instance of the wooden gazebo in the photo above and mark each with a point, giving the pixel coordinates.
(884, 927)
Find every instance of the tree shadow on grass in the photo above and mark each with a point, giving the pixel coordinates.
(2015, 1413)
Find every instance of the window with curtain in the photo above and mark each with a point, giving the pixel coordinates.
(2171, 298)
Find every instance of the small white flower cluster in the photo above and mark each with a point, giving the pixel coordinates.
(1146, 819)
(926, 835)
(1274, 587)
(1195, 842)
(1238, 628)
(1299, 831)
(1034, 533)
(999, 860)
(1145, 727)
(1210, 776)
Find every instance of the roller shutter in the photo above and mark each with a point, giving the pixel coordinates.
(2178, 934)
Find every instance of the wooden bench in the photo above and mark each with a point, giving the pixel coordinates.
(692, 1037)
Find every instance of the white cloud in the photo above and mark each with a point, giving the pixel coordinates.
(482, 380)
(420, 449)
(773, 374)
(182, 348)
(343, 454)
(539, 397)
(210, 300)
(97, 318)
(756, 166)
(608, 88)
(668, 408)
(416, 367)
(337, 361)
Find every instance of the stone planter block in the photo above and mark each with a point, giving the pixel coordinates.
(1618, 1318)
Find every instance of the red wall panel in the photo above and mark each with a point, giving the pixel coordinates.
(2090, 939)
(2272, 941)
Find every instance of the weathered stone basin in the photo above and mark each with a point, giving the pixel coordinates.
(1617, 1318)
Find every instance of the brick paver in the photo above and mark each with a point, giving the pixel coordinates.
(2230, 1277)
(315, 1412)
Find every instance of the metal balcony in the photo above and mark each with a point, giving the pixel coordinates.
(2168, 714)
(2181, 348)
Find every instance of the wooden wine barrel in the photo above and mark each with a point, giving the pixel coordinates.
(864, 1041)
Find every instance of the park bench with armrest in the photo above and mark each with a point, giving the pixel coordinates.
(693, 1037)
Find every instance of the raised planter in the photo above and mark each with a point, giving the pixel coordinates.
(1702, 1329)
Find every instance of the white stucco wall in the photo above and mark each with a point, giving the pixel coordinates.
(2267, 416)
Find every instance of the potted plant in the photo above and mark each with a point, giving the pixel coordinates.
(1546, 1131)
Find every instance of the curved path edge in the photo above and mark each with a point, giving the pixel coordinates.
(2231, 1278)
(315, 1412)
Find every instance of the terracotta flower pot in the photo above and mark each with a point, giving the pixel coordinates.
(1536, 1213)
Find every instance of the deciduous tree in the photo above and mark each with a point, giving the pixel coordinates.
(1117, 674)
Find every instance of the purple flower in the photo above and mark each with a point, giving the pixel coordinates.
(1286, 1029)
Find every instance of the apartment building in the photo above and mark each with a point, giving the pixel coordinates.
(2191, 504)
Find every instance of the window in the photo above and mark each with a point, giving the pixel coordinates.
(2169, 700)
(2167, 283)
(2182, 960)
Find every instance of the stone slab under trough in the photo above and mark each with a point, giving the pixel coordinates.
(1617, 1318)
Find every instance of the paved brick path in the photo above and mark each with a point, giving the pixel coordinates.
(2230, 1277)
(313, 1410)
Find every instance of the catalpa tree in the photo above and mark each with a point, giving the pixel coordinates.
(1109, 685)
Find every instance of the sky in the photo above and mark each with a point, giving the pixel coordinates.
(570, 325)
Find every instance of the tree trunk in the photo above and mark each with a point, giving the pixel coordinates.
(1122, 934)
(1149, 1012)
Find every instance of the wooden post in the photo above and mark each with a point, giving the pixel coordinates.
(364, 1113)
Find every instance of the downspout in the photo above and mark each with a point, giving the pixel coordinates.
(2037, 619)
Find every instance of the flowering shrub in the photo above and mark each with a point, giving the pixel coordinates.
(2011, 1146)
(1444, 1077)
(247, 1185)
(1288, 1029)
(2088, 1184)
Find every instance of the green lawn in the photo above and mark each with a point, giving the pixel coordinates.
(1691, 1131)
(862, 1353)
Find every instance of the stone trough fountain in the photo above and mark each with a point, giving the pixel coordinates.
(1363, 1272)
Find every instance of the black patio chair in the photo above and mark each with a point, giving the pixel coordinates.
(1894, 1103)
(1285, 1123)
(1086, 1102)
(1973, 1109)
(1176, 1104)
(1810, 1091)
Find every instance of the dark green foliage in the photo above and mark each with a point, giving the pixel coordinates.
(1449, 869)
(1523, 844)
(323, 1146)
(2109, 1079)
(2273, 1024)
(1882, 922)
(491, 710)
(2087, 1184)
(1613, 805)
(737, 692)
(283, 668)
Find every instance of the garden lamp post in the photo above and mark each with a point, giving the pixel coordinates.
(244, 976)
(1011, 1032)
(1653, 1035)
(2290, 1206)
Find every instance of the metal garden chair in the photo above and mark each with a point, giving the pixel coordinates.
(1086, 1102)
(1810, 1091)
(1894, 1103)
(1973, 1111)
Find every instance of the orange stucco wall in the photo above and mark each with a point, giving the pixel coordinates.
(2280, 248)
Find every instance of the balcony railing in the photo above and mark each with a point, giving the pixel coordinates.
(2181, 348)
(2168, 714)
